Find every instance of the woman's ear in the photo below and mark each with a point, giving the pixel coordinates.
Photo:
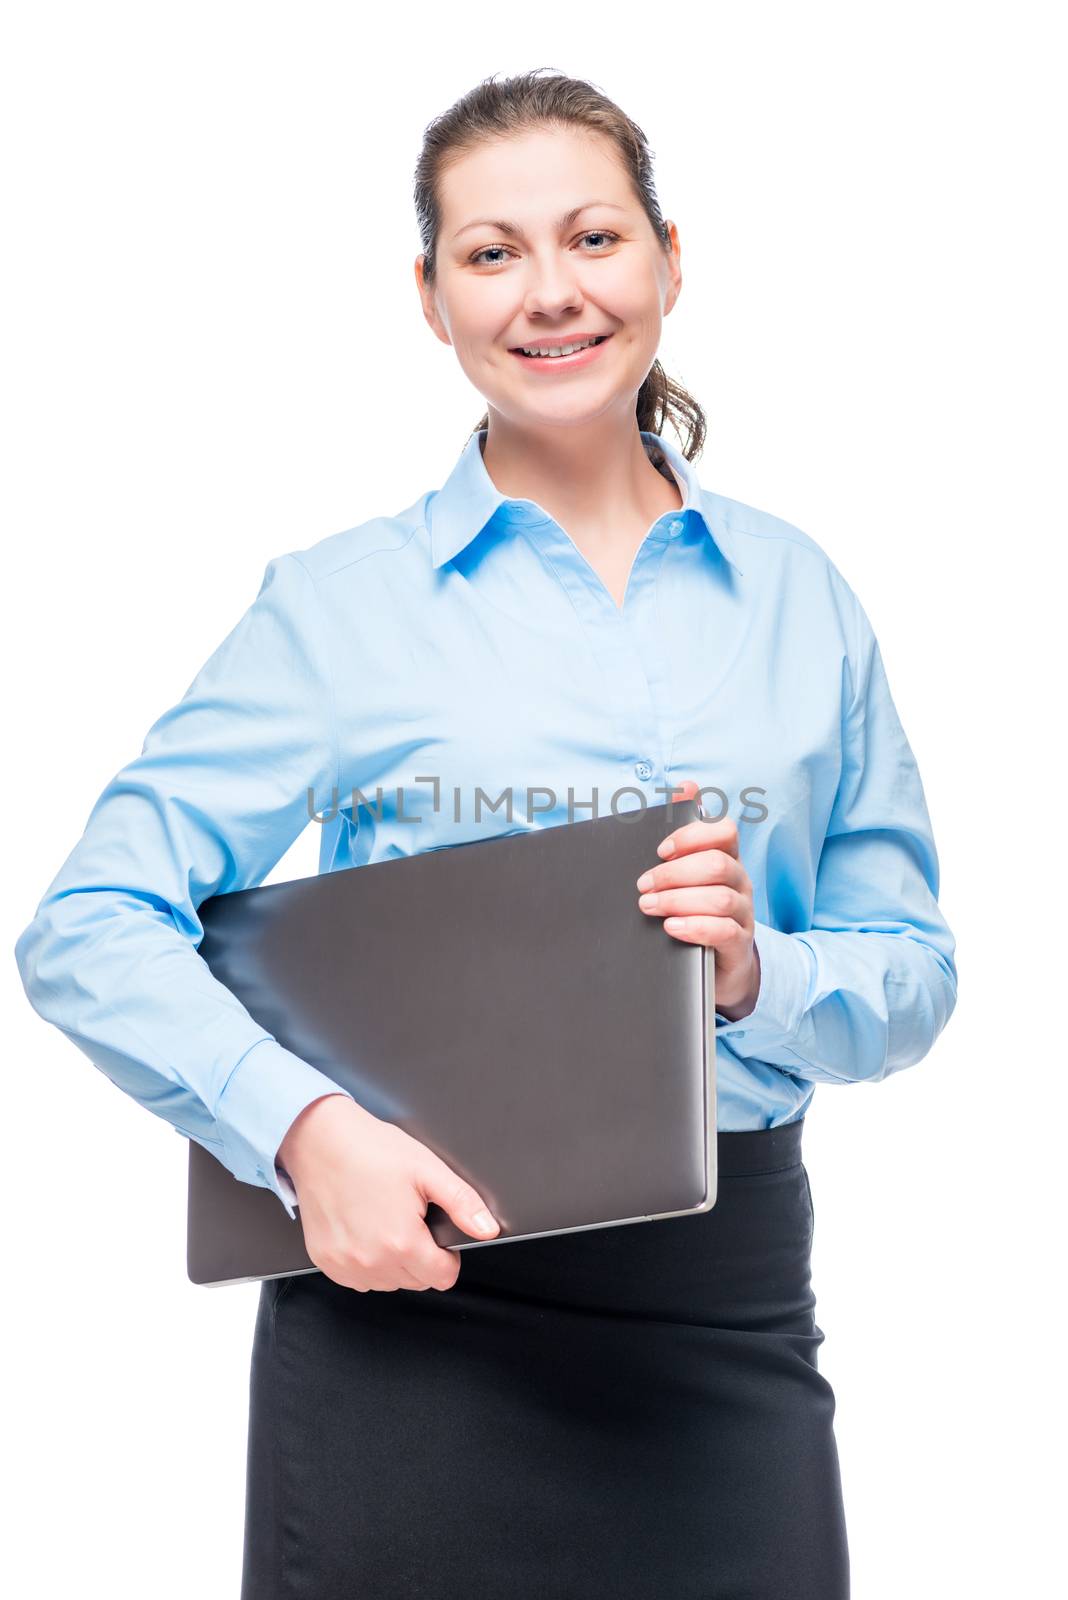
(674, 267)
(429, 302)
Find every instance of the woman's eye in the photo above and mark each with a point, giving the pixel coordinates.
(592, 233)
(487, 251)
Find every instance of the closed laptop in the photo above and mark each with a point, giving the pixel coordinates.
(505, 1002)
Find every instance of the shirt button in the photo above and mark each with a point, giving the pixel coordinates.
(643, 769)
(675, 529)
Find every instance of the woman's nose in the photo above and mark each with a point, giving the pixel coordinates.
(552, 288)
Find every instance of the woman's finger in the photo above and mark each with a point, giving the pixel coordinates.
(708, 900)
(701, 866)
(722, 835)
(718, 933)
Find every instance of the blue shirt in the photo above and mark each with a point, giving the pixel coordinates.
(459, 670)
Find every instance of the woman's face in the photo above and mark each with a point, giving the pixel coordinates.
(549, 277)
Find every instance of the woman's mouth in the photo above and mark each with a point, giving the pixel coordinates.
(564, 353)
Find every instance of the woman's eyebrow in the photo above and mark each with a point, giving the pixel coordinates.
(514, 230)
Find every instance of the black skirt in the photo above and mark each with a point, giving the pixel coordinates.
(629, 1412)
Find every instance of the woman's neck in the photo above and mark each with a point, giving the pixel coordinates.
(595, 479)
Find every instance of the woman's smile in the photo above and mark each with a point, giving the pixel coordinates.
(574, 358)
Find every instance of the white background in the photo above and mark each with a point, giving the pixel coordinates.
(214, 353)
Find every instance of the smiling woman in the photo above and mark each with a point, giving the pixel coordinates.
(625, 1411)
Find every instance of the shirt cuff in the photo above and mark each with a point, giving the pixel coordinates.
(285, 1190)
(786, 968)
(262, 1098)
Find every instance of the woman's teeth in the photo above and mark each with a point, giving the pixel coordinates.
(558, 349)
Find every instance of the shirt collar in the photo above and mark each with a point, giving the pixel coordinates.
(469, 499)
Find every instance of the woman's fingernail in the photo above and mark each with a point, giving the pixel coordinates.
(483, 1221)
(666, 847)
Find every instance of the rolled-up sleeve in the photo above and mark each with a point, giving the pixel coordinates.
(226, 780)
(868, 987)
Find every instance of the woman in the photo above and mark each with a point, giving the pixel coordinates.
(629, 1411)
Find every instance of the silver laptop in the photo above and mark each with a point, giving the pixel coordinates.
(506, 1003)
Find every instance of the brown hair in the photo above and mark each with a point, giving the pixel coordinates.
(493, 110)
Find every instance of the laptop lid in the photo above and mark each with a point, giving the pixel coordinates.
(505, 1002)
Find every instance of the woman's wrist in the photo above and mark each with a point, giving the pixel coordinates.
(288, 1156)
(742, 1008)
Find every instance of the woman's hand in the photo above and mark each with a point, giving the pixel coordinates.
(705, 894)
(364, 1186)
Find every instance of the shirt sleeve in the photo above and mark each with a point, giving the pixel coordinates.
(867, 989)
(227, 778)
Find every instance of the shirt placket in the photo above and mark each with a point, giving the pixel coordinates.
(629, 651)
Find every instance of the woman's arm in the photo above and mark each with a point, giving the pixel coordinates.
(217, 795)
(867, 989)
